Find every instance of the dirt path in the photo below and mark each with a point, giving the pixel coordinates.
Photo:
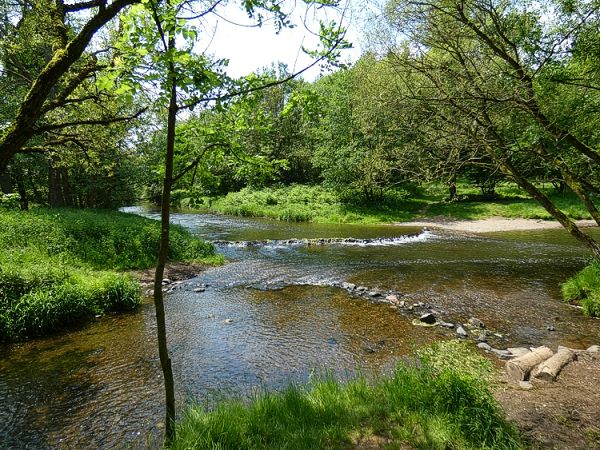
(560, 415)
(491, 224)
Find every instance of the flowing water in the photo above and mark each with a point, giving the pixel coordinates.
(275, 314)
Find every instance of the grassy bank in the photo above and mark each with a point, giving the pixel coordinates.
(584, 288)
(318, 204)
(59, 267)
(441, 402)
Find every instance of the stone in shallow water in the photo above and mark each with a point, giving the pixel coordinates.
(427, 318)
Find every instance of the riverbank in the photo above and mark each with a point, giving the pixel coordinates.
(491, 224)
(303, 203)
(62, 268)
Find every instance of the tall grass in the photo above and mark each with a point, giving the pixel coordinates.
(57, 267)
(424, 405)
(301, 203)
(584, 287)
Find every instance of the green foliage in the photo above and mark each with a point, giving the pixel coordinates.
(438, 403)
(38, 305)
(320, 204)
(99, 240)
(9, 201)
(54, 266)
(584, 287)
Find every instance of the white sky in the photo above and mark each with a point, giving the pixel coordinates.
(249, 49)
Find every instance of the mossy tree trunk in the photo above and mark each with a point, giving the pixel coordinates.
(17, 134)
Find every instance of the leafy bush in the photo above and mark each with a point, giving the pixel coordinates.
(53, 266)
(37, 305)
(584, 287)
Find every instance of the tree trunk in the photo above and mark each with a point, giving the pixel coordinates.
(538, 195)
(165, 360)
(5, 183)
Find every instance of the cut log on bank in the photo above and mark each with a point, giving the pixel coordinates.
(520, 368)
(549, 369)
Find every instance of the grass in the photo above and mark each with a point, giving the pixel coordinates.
(584, 287)
(59, 267)
(301, 203)
(440, 402)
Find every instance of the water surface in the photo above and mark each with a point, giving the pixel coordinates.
(272, 315)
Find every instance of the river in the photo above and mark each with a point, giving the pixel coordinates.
(276, 314)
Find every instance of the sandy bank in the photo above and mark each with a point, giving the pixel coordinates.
(491, 224)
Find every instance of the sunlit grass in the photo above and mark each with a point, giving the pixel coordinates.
(57, 267)
(432, 403)
(584, 287)
(300, 203)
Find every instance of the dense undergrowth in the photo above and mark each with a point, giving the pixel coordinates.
(302, 203)
(57, 267)
(441, 401)
(584, 287)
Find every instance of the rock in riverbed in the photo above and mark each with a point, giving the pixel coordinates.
(428, 318)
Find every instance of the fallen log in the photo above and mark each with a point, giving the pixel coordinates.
(549, 369)
(519, 369)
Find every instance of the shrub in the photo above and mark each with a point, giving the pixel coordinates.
(53, 265)
(584, 287)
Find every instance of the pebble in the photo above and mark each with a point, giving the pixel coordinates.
(402, 304)
(391, 299)
(445, 324)
(476, 322)
(461, 332)
(199, 290)
(427, 318)
(518, 351)
(502, 354)
(485, 346)
(525, 385)
(482, 337)
(228, 321)
(550, 328)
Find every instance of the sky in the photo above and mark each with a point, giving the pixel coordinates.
(249, 49)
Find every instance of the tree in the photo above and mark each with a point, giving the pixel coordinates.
(156, 54)
(51, 78)
(501, 75)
